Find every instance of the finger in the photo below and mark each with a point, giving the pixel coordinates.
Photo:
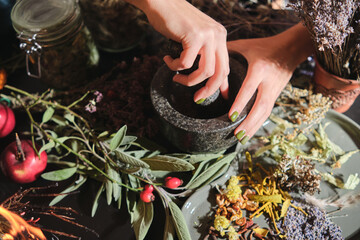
(224, 89)
(205, 70)
(247, 90)
(218, 79)
(186, 59)
(257, 116)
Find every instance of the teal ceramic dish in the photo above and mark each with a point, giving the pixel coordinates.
(343, 131)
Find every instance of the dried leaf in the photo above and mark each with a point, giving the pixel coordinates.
(351, 183)
(275, 198)
(284, 208)
(344, 158)
(261, 231)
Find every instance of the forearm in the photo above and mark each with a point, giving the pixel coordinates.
(297, 45)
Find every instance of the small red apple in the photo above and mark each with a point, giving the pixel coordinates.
(7, 120)
(22, 164)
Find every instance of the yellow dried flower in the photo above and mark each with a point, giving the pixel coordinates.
(233, 190)
(221, 223)
(233, 235)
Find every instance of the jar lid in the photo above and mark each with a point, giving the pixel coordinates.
(48, 19)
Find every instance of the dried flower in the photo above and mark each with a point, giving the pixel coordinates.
(334, 28)
(315, 225)
(294, 174)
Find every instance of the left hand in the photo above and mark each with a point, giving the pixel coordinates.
(271, 62)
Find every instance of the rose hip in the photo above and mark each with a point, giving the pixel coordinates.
(173, 182)
(148, 188)
(147, 197)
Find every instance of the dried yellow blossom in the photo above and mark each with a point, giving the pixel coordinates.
(233, 190)
(221, 223)
(233, 235)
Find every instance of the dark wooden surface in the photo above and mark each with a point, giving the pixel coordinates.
(109, 222)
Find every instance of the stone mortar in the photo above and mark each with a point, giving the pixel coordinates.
(197, 128)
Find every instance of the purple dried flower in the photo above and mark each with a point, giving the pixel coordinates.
(90, 107)
(99, 96)
(315, 226)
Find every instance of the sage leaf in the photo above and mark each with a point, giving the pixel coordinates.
(59, 120)
(109, 185)
(70, 189)
(179, 221)
(96, 200)
(195, 158)
(126, 158)
(59, 175)
(169, 228)
(48, 114)
(167, 163)
(211, 171)
(142, 219)
(49, 145)
(118, 138)
(201, 168)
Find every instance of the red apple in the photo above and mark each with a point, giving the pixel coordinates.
(7, 120)
(25, 166)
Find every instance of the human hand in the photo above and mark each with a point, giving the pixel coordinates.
(199, 35)
(271, 62)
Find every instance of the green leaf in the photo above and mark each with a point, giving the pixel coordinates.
(69, 117)
(96, 200)
(126, 158)
(179, 221)
(49, 145)
(48, 114)
(211, 171)
(169, 229)
(118, 138)
(167, 163)
(70, 189)
(143, 217)
(59, 120)
(103, 134)
(195, 158)
(59, 175)
(109, 185)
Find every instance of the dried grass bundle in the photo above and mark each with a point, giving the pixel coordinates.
(335, 29)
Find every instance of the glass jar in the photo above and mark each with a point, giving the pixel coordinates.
(59, 49)
(115, 25)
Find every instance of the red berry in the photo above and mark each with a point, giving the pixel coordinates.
(148, 188)
(172, 182)
(147, 196)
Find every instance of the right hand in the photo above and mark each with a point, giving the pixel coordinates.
(199, 35)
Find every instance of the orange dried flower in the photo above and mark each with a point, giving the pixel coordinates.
(2, 78)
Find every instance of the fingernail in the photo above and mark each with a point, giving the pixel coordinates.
(234, 116)
(200, 101)
(244, 140)
(240, 134)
